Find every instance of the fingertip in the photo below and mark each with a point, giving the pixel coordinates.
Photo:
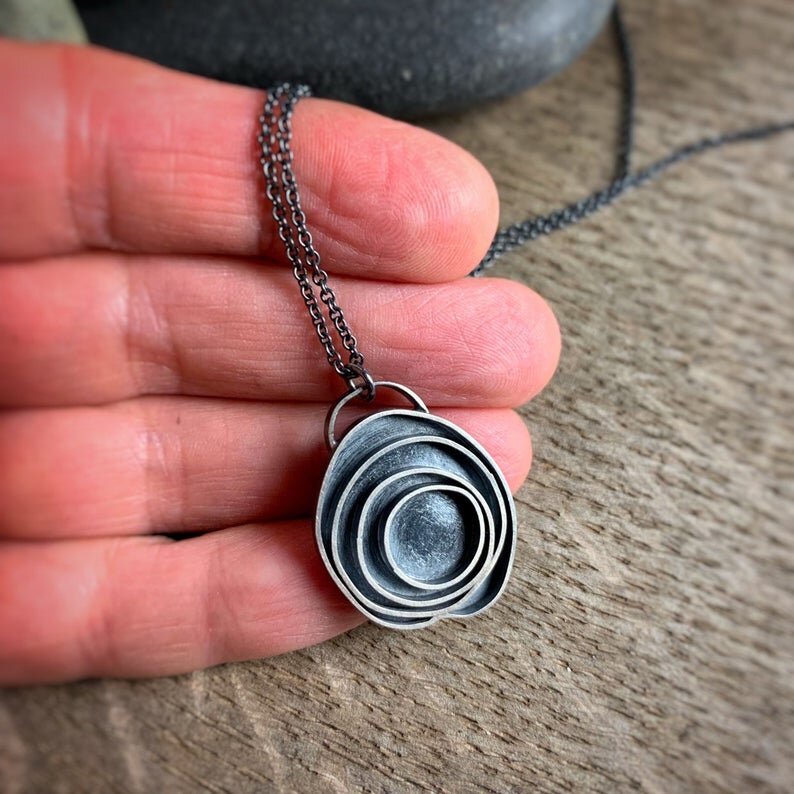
(525, 342)
(504, 435)
(463, 214)
(401, 202)
(518, 451)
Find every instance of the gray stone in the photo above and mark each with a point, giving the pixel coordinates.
(401, 57)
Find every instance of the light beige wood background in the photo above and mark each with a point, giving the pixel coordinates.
(647, 640)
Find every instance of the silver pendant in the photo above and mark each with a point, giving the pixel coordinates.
(415, 521)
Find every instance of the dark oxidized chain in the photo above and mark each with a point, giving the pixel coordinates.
(517, 234)
(282, 190)
(283, 193)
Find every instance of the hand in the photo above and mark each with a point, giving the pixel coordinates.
(159, 373)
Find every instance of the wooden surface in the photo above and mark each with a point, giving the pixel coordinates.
(647, 640)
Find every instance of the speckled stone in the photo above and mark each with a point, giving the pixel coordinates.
(402, 57)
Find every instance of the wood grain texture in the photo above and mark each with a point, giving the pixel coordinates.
(646, 641)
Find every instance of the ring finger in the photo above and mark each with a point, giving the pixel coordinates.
(177, 464)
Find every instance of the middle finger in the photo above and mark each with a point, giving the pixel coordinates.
(105, 327)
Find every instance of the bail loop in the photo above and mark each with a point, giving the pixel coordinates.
(331, 439)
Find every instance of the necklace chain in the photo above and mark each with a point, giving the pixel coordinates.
(282, 190)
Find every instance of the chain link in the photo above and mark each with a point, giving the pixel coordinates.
(281, 189)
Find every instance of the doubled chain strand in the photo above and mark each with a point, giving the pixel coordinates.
(282, 190)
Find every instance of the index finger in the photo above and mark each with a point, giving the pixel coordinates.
(102, 150)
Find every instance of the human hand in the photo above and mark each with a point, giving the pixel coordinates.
(159, 374)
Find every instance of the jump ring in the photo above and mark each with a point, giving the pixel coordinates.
(360, 380)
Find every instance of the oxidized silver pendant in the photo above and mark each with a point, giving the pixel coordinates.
(415, 521)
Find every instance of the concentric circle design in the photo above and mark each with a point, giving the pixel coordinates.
(415, 522)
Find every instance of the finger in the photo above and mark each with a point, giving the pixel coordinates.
(184, 464)
(146, 606)
(100, 328)
(101, 150)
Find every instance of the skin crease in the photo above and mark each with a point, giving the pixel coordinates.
(159, 374)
